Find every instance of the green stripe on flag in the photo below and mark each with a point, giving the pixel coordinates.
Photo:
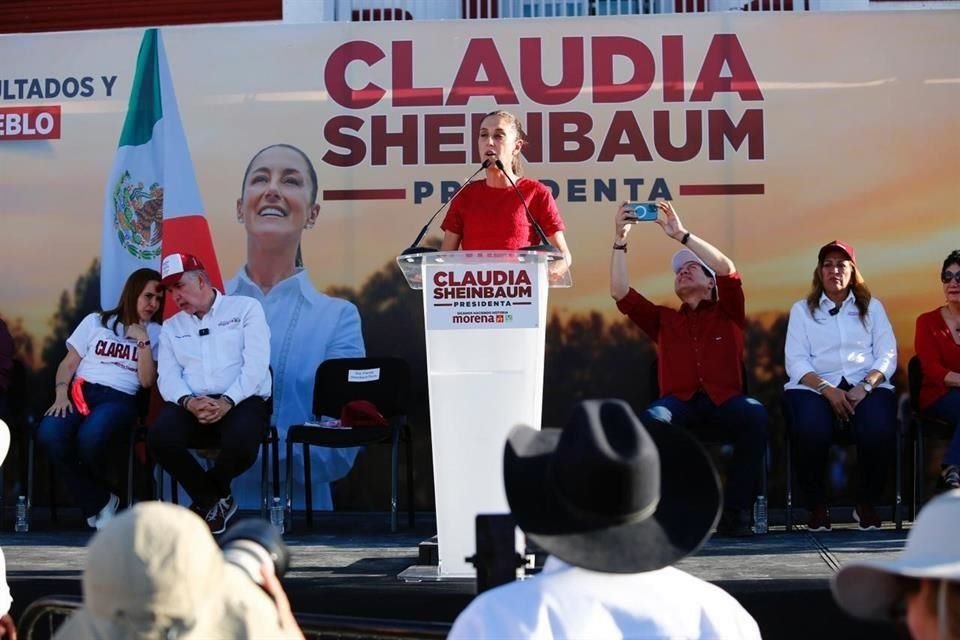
(145, 108)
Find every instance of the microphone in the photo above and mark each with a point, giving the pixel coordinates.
(544, 243)
(203, 332)
(834, 311)
(413, 248)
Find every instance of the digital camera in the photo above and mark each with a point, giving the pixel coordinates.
(643, 211)
(249, 544)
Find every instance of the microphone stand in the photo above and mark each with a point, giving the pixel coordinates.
(414, 248)
(544, 245)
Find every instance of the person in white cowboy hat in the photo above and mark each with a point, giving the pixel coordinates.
(922, 583)
(155, 571)
(8, 629)
(614, 505)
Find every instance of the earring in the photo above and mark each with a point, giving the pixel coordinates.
(309, 225)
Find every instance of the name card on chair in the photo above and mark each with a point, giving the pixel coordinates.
(490, 296)
(363, 375)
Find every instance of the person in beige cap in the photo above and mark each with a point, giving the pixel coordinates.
(921, 584)
(156, 572)
(700, 347)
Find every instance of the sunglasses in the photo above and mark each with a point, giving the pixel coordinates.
(947, 276)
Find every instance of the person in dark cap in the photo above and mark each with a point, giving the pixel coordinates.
(214, 367)
(615, 505)
(700, 355)
(840, 354)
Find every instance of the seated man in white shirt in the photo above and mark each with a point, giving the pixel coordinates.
(615, 505)
(214, 374)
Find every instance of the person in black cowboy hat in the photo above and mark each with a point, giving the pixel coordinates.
(615, 505)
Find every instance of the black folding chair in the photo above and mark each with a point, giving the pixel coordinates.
(844, 438)
(269, 460)
(381, 381)
(704, 435)
(920, 421)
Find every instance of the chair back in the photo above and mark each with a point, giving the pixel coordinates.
(914, 382)
(382, 381)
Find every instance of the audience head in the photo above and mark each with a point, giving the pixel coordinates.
(692, 276)
(156, 572)
(950, 277)
(502, 138)
(922, 583)
(836, 275)
(606, 494)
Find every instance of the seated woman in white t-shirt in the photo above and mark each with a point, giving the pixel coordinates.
(110, 356)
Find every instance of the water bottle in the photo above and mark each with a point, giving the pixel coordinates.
(22, 523)
(760, 515)
(277, 514)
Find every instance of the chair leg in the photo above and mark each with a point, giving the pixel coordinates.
(275, 462)
(411, 514)
(264, 461)
(898, 498)
(919, 476)
(789, 505)
(288, 502)
(307, 485)
(394, 478)
(133, 442)
(30, 463)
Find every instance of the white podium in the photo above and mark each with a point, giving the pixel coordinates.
(485, 317)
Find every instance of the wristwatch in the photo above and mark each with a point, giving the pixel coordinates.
(867, 386)
(143, 343)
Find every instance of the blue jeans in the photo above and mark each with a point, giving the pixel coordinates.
(948, 408)
(873, 428)
(740, 420)
(80, 446)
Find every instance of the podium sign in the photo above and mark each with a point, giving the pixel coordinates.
(485, 317)
(478, 297)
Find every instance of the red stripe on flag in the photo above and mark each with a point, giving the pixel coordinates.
(365, 194)
(721, 189)
(190, 234)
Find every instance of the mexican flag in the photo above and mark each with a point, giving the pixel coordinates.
(152, 206)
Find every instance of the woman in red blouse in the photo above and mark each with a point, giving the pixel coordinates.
(937, 344)
(488, 213)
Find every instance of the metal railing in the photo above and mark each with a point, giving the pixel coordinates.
(43, 616)
(385, 10)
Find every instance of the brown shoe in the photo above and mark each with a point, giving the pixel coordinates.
(819, 520)
(867, 517)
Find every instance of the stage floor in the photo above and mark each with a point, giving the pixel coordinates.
(349, 564)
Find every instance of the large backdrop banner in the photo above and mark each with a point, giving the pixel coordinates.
(772, 133)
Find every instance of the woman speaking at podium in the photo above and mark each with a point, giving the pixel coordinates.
(495, 213)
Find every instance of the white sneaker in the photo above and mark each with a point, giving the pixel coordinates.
(106, 514)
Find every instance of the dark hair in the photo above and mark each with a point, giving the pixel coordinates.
(125, 312)
(311, 172)
(952, 258)
(516, 164)
(861, 294)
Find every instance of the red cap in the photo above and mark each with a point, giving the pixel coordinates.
(839, 245)
(362, 413)
(175, 265)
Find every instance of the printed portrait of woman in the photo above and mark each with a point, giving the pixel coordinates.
(277, 204)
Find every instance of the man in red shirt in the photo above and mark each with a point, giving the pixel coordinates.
(700, 347)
